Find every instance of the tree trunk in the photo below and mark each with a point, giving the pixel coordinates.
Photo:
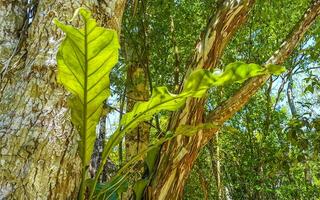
(38, 144)
(13, 15)
(177, 156)
(137, 90)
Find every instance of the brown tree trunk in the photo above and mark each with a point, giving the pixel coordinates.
(38, 145)
(177, 156)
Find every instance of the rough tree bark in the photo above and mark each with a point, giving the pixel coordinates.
(13, 16)
(38, 144)
(178, 155)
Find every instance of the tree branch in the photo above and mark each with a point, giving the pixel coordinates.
(228, 108)
(221, 27)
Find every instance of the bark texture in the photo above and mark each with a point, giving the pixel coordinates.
(13, 16)
(178, 156)
(38, 143)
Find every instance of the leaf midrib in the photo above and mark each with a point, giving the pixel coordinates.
(85, 90)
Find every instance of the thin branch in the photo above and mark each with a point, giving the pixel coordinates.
(310, 68)
(230, 16)
(296, 64)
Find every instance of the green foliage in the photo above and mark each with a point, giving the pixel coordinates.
(188, 19)
(275, 69)
(85, 59)
(196, 85)
(313, 84)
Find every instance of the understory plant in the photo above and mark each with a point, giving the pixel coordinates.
(85, 59)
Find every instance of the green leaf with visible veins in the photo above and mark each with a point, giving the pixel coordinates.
(85, 59)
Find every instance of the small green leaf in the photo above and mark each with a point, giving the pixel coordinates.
(310, 89)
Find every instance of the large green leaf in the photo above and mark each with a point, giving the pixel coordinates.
(85, 59)
(196, 85)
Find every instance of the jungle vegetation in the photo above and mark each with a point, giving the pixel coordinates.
(160, 99)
